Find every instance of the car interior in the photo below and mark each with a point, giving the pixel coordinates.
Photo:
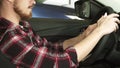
(107, 52)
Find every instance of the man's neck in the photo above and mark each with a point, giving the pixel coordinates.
(10, 15)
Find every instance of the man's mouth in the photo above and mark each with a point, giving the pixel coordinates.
(31, 6)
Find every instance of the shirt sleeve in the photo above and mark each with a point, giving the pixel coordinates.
(27, 52)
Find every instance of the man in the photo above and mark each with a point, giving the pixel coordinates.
(25, 49)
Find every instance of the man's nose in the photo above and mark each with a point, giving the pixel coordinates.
(34, 2)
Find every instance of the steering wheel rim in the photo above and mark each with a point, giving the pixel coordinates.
(101, 46)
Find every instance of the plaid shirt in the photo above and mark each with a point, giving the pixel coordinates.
(25, 49)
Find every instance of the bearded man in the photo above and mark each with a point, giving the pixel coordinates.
(26, 49)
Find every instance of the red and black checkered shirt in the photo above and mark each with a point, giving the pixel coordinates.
(25, 49)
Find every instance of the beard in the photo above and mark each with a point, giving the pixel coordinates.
(22, 15)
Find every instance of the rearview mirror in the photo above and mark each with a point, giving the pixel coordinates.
(87, 9)
(82, 9)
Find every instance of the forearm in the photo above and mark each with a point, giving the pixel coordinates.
(72, 41)
(84, 47)
(80, 37)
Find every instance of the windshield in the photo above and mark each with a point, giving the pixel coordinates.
(64, 3)
(115, 4)
(55, 9)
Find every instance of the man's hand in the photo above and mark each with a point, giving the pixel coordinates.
(108, 23)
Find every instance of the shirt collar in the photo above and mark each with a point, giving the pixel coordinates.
(6, 23)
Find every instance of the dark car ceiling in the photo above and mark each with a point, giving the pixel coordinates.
(51, 11)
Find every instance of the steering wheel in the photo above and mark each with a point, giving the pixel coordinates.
(105, 43)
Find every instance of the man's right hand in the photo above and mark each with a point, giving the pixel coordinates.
(108, 23)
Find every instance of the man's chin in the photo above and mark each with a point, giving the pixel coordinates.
(26, 17)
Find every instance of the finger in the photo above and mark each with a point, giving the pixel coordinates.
(113, 15)
(116, 27)
(105, 14)
(116, 20)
